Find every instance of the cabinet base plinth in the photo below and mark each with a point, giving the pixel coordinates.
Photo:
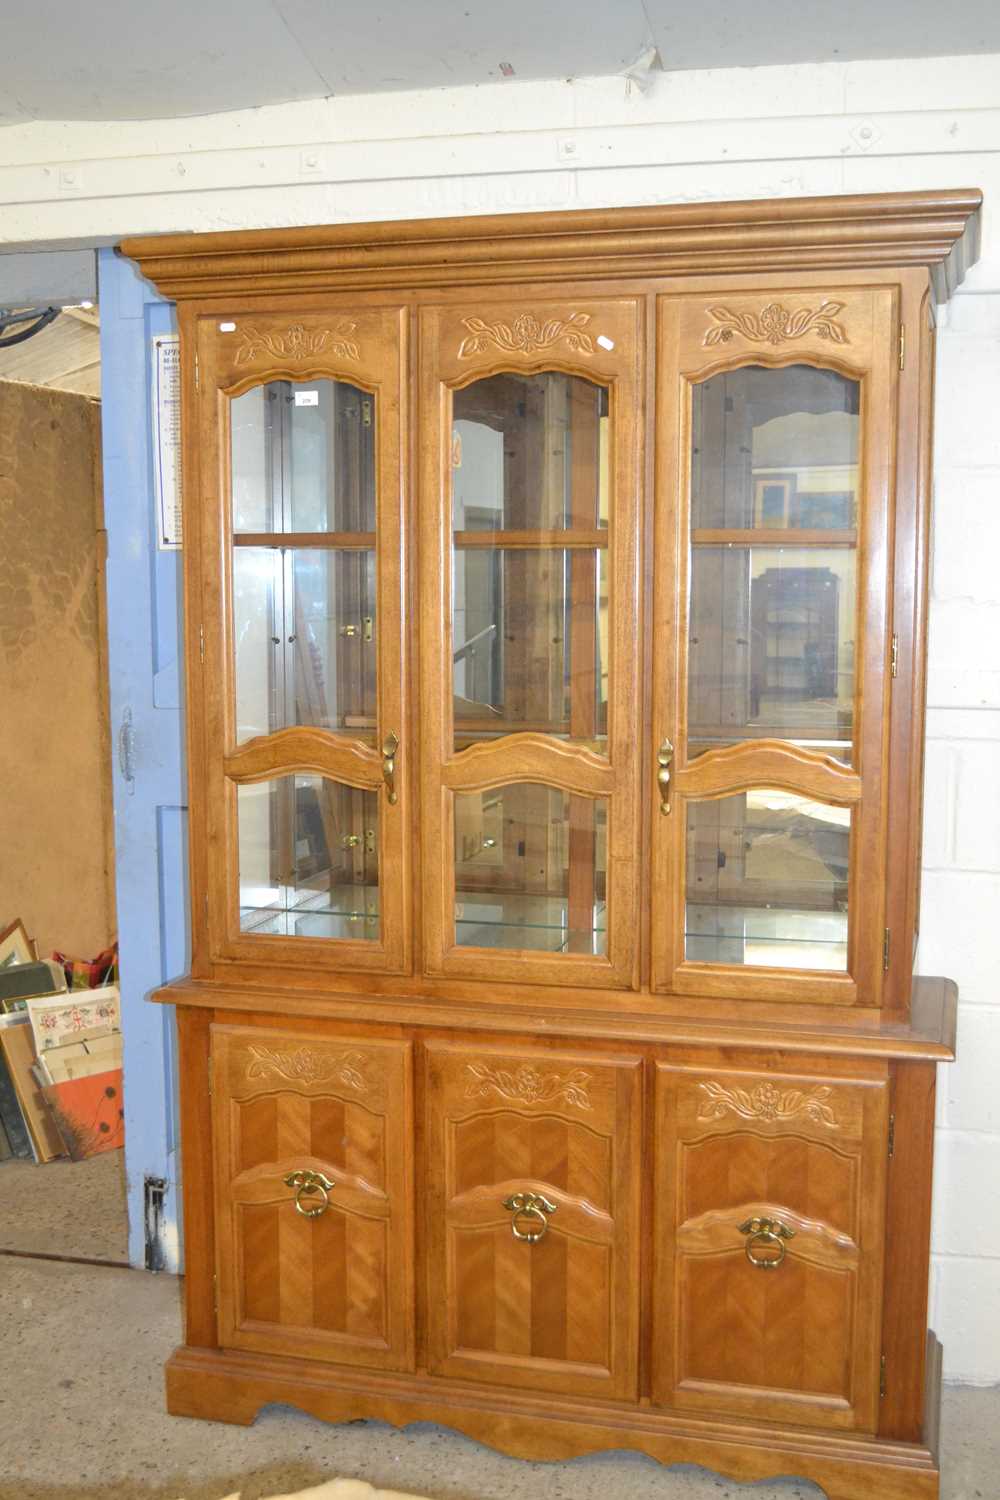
(228, 1386)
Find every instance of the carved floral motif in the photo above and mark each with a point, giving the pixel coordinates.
(766, 1102)
(526, 335)
(303, 1065)
(774, 324)
(528, 1084)
(298, 342)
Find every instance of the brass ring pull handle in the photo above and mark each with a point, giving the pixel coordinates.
(664, 759)
(530, 1221)
(305, 1184)
(389, 747)
(766, 1232)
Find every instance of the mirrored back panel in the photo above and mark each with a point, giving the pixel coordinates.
(530, 587)
(774, 527)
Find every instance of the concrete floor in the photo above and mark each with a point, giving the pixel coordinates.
(65, 1207)
(81, 1395)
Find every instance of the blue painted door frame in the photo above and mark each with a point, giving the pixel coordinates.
(145, 664)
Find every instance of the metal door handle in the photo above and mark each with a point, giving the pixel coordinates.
(390, 746)
(306, 1183)
(531, 1216)
(764, 1233)
(664, 760)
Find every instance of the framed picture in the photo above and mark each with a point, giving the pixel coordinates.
(773, 499)
(15, 946)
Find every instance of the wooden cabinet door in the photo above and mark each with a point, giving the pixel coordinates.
(529, 575)
(331, 1279)
(771, 641)
(300, 773)
(794, 1337)
(543, 1297)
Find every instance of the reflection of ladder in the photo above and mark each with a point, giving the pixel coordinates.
(464, 706)
(309, 672)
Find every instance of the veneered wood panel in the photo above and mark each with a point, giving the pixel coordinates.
(559, 1314)
(338, 1285)
(908, 1247)
(797, 1341)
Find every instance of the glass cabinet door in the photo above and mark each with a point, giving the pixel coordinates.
(528, 578)
(306, 744)
(770, 644)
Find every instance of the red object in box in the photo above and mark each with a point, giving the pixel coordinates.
(88, 1113)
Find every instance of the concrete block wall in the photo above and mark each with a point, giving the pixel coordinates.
(960, 908)
(764, 132)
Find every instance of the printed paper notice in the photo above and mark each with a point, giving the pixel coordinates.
(167, 438)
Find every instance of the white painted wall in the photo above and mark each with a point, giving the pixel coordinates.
(769, 132)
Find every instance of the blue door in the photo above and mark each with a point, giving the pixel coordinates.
(145, 662)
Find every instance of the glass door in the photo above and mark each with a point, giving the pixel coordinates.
(306, 652)
(774, 473)
(528, 577)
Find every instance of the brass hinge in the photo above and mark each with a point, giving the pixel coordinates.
(885, 951)
(201, 642)
(892, 1136)
(902, 345)
(894, 656)
(197, 372)
(366, 414)
(881, 1378)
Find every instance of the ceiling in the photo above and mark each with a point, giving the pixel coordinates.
(133, 59)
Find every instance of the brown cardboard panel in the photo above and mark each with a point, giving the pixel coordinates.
(56, 872)
(19, 1050)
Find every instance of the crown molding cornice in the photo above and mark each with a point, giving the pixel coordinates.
(938, 230)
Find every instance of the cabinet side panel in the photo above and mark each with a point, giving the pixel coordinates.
(907, 1264)
(193, 1037)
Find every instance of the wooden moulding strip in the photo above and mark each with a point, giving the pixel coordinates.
(302, 751)
(769, 763)
(353, 541)
(530, 758)
(938, 230)
(231, 1386)
(579, 1016)
(772, 537)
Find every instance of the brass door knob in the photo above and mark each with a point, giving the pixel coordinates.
(306, 1183)
(531, 1210)
(765, 1234)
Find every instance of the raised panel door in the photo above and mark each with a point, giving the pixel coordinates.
(314, 1195)
(532, 1218)
(769, 1227)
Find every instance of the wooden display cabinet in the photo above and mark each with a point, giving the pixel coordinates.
(552, 1065)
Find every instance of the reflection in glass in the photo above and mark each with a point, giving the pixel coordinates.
(775, 449)
(303, 458)
(530, 643)
(529, 619)
(772, 646)
(308, 858)
(774, 516)
(304, 638)
(767, 875)
(531, 870)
